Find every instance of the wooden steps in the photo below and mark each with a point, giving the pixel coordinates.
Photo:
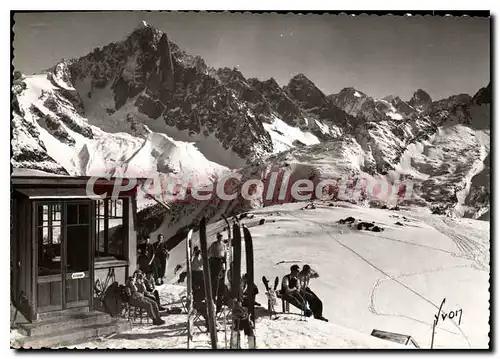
(74, 328)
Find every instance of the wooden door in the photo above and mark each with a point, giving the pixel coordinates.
(77, 276)
(49, 233)
(64, 255)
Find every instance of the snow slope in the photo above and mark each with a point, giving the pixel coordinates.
(394, 280)
(288, 332)
(81, 147)
(284, 135)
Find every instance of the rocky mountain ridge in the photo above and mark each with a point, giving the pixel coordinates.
(145, 106)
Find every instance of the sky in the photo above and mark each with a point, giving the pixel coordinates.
(379, 55)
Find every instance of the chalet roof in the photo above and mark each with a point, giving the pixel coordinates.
(57, 193)
(77, 181)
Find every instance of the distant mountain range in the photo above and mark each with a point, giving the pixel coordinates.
(143, 106)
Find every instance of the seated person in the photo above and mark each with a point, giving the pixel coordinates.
(244, 291)
(244, 323)
(137, 299)
(199, 303)
(312, 299)
(290, 290)
(150, 291)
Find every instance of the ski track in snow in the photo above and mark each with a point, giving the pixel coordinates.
(469, 248)
(388, 276)
(372, 306)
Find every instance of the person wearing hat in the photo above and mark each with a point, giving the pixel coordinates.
(217, 260)
(290, 290)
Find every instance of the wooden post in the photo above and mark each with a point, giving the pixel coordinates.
(433, 332)
(434, 324)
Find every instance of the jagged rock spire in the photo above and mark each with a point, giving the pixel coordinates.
(166, 64)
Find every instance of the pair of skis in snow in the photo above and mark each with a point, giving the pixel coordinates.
(239, 313)
(242, 316)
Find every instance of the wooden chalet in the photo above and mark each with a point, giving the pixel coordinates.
(63, 240)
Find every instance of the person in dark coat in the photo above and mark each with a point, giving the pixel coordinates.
(290, 290)
(144, 245)
(162, 257)
(147, 258)
(145, 263)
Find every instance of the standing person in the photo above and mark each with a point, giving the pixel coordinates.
(149, 250)
(162, 257)
(217, 261)
(144, 245)
(153, 261)
(290, 290)
(197, 269)
(145, 262)
(142, 261)
(312, 299)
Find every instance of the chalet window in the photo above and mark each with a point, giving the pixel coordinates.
(49, 230)
(110, 230)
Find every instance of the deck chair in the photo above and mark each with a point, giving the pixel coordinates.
(196, 314)
(285, 305)
(274, 294)
(133, 313)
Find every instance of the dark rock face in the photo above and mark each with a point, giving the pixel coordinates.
(421, 100)
(53, 104)
(454, 109)
(356, 103)
(166, 67)
(52, 125)
(403, 107)
(310, 98)
(451, 102)
(287, 110)
(483, 96)
(178, 89)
